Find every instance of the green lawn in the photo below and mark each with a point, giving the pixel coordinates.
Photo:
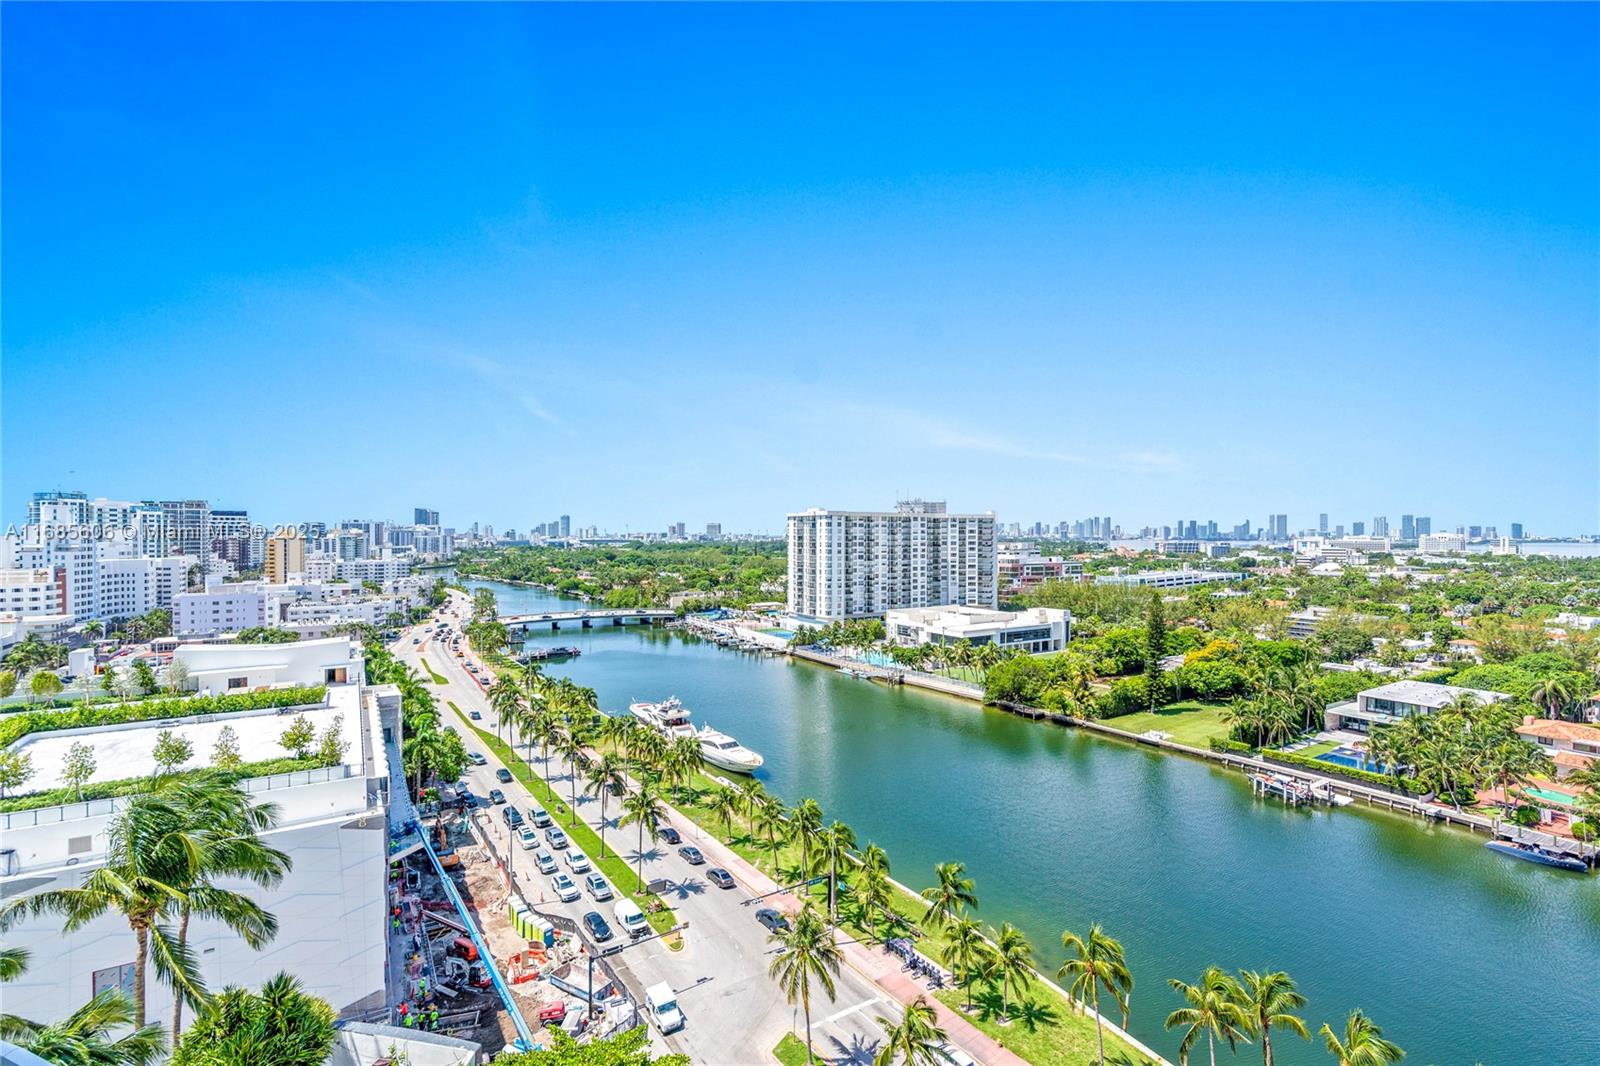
(432, 675)
(1043, 1028)
(617, 871)
(1313, 750)
(1192, 722)
(791, 1051)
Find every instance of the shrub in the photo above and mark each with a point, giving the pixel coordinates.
(1128, 695)
(15, 726)
(1224, 744)
(129, 786)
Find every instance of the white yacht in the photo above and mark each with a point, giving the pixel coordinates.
(669, 717)
(719, 749)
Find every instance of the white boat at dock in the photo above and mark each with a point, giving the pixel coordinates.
(719, 749)
(669, 717)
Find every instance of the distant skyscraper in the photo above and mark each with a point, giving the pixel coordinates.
(1358, 529)
(286, 554)
(1322, 523)
(1278, 526)
(421, 516)
(713, 529)
(186, 524)
(566, 525)
(1380, 526)
(1516, 531)
(1424, 525)
(1408, 527)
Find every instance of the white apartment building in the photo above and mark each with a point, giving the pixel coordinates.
(225, 608)
(382, 570)
(1038, 629)
(861, 564)
(331, 907)
(1170, 579)
(316, 619)
(1441, 542)
(33, 591)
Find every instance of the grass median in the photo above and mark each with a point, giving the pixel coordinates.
(791, 1051)
(613, 866)
(432, 674)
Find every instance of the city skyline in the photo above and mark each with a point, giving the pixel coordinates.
(1125, 282)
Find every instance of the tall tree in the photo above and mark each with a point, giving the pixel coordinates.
(967, 952)
(1213, 1010)
(952, 893)
(1094, 962)
(1155, 648)
(915, 1039)
(604, 777)
(807, 953)
(1363, 1043)
(1012, 963)
(282, 1025)
(644, 809)
(1269, 1000)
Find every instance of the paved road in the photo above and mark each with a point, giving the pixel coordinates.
(735, 1011)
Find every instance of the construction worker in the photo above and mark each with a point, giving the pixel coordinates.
(433, 1019)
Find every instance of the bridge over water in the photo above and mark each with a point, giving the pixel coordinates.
(588, 619)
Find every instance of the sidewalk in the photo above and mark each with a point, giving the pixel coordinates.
(882, 969)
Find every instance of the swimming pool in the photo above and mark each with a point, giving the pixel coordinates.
(786, 634)
(1548, 796)
(1346, 756)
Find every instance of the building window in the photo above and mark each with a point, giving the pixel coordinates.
(238, 682)
(113, 978)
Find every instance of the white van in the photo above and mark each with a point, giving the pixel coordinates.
(630, 918)
(662, 1006)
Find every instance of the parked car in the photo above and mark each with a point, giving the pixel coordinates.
(691, 855)
(772, 919)
(565, 888)
(476, 757)
(557, 838)
(597, 886)
(503, 776)
(719, 877)
(496, 796)
(540, 817)
(512, 816)
(597, 927)
(527, 838)
(578, 861)
(668, 834)
(545, 861)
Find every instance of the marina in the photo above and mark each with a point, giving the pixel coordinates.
(1064, 827)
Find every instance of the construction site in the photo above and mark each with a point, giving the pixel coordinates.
(471, 958)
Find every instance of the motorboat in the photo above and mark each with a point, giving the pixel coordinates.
(669, 717)
(1534, 853)
(721, 750)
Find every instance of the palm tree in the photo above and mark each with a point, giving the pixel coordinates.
(642, 808)
(683, 759)
(605, 776)
(505, 699)
(614, 732)
(807, 952)
(724, 804)
(1013, 963)
(577, 765)
(951, 894)
(771, 819)
(224, 825)
(1552, 694)
(967, 952)
(915, 1038)
(140, 881)
(805, 822)
(1213, 1010)
(874, 894)
(84, 1036)
(752, 792)
(1096, 962)
(1363, 1043)
(835, 845)
(1268, 1000)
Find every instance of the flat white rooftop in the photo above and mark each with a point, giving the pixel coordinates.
(122, 752)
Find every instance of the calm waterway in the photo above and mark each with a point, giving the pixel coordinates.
(1461, 955)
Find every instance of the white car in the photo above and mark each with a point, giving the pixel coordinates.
(564, 888)
(545, 861)
(528, 837)
(948, 1052)
(578, 861)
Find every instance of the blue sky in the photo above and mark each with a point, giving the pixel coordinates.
(714, 263)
